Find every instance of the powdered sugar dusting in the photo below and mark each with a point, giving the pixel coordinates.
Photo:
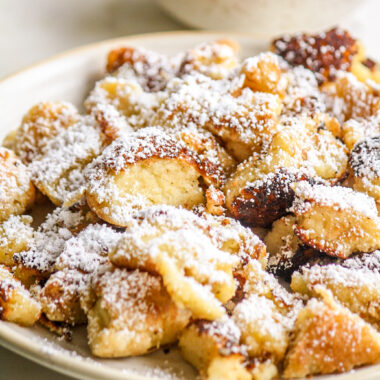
(355, 272)
(16, 231)
(89, 248)
(197, 108)
(337, 197)
(365, 159)
(49, 239)
(14, 177)
(58, 170)
(260, 312)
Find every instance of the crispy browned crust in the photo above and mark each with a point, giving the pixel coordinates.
(261, 205)
(117, 57)
(110, 132)
(207, 143)
(370, 64)
(240, 279)
(27, 275)
(323, 53)
(188, 59)
(63, 330)
(66, 303)
(153, 71)
(364, 156)
(315, 243)
(303, 256)
(318, 245)
(215, 201)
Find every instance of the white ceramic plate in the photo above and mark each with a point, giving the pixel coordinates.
(69, 77)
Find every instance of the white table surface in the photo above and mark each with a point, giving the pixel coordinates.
(31, 30)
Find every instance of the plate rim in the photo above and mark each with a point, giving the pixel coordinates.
(56, 360)
(140, 36)
(64, 362)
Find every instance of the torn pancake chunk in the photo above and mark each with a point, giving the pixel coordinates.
(142, 169)
(225, 233)
(17, 192)
(244, 120)
(348, 98)
(38, 259)
(58, 171)
(16, 234)
(213, 59)
(260, 190)
(329, 338)
(206, 145)
(16, 303)
(214, 349)
(59, 297)
(336, 220)
(354, 130)
(354, 282)
(264, 73)
(286, 251)
(196, 273)
(40, 124)
(132, 314)
(302, 95)
(150, 69)
(83, 257)
(121, 105)
(265, 315)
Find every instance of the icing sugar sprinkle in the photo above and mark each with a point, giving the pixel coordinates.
(201, 108)
(340, 198)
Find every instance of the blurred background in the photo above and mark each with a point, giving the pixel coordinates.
(35, 29)
(32, 30)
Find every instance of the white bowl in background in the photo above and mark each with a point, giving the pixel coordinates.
(263, 18)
